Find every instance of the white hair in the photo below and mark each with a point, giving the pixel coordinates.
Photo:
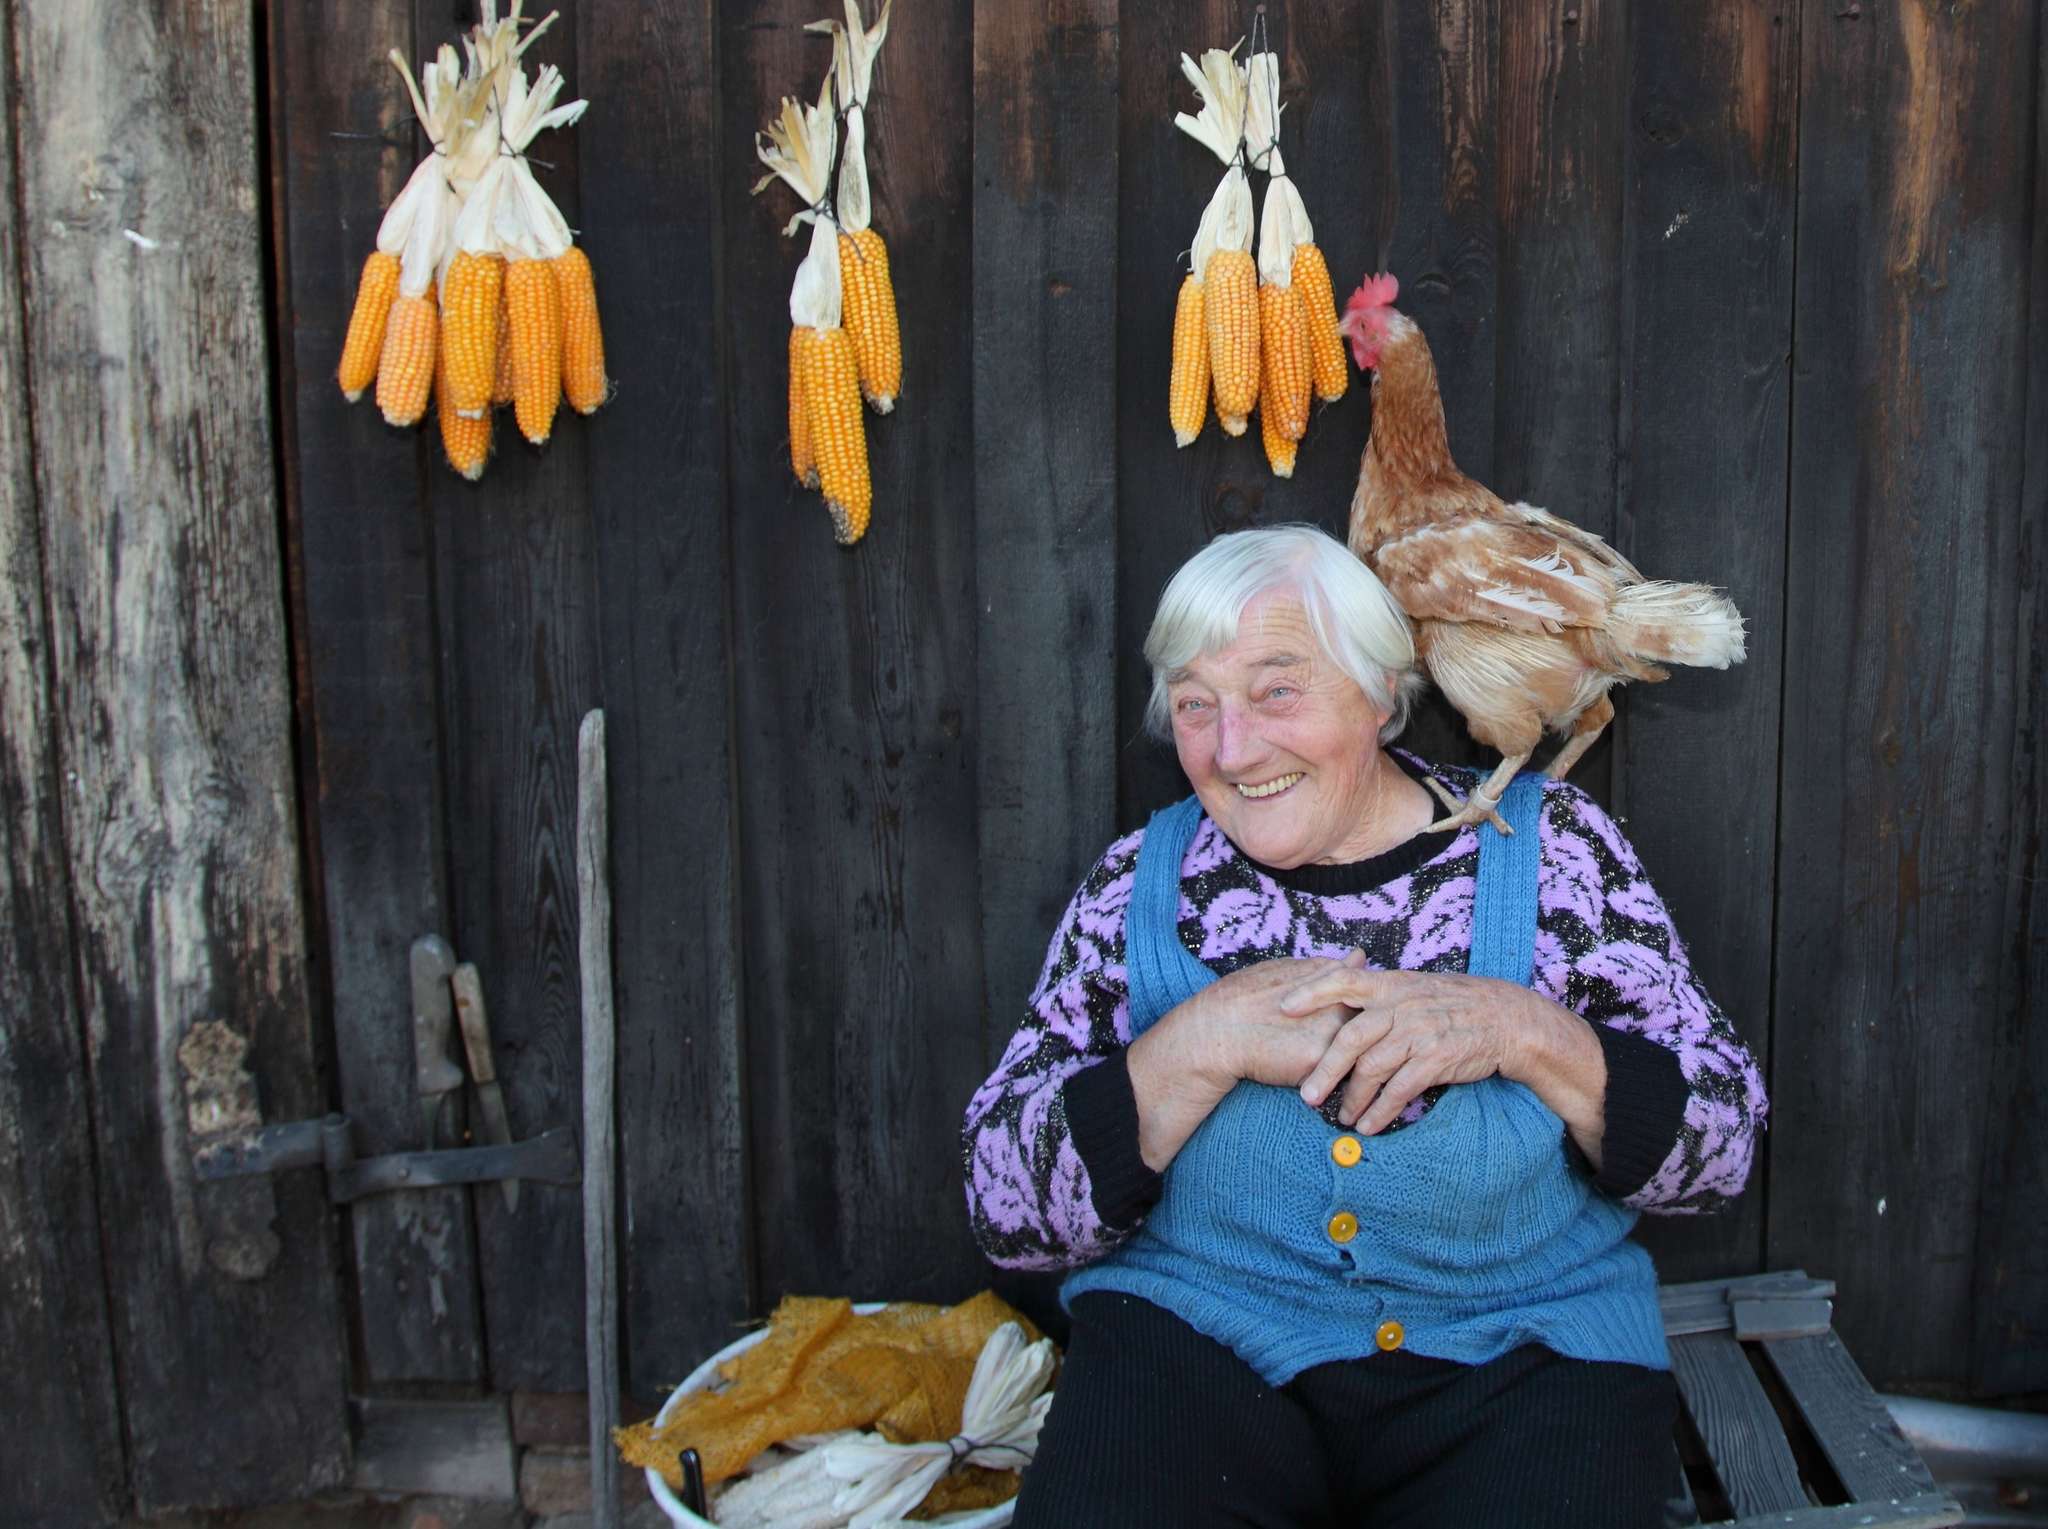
(1359, 626)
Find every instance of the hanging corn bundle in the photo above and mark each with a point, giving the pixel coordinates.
(1293, 260)
(869, 301)
(1216, 318)
(475, 289)
(827, 438)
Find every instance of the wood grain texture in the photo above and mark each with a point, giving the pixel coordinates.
(172, 721)
(361, 553)
(1045, 226)
(2010, 1352)
(600, 1098)
(514, 564)
(1729, 1407)
(1855, 1431)
(1558, 134)
(1710, 167)
(855, 703)
(1901, 639)
(651, 176)
(60, 1453)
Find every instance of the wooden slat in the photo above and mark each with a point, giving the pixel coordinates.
(361, 560)
(151, 409)
(855, 701)
(1926, 1512)
(2010, 1348)
(514, 568)
(1902, 620)
(60, 1452)
(1711, 144)
(436, 1448)
(651, 175)
(1735, 1420)
(1857, 1435)
(1558, 130)
(1045, 321)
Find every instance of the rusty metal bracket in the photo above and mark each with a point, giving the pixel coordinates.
(549, 1158)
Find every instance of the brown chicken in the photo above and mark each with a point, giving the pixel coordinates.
(1522, 620)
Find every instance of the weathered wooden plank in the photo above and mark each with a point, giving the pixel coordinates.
(600, 1137)
(650, 180)
(1902, 627)
(1857, 1435)
(1558, 132)
(1710, 147)
(451, 1449)
(362, 577)
(855, 701)
(172, 716)
(514, 574)
(60, 1453)
(1727, 1404)
(1045, 429)
(2010, 1351)
(1926, 1512)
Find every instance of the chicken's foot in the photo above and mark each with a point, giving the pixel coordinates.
(1483, 805)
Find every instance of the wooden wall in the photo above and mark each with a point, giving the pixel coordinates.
(1743, 286)
(1757, 290)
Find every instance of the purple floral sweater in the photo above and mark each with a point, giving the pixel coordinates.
(1054, 1177)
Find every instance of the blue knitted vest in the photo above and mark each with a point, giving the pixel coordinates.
(1476, 1232)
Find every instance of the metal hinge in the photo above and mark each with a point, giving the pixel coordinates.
(549, 1158)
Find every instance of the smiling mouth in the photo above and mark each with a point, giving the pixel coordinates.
(1271, 788)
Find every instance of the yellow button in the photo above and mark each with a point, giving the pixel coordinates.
(1346, 1150)
(1389, 1336)
(1343, 1226)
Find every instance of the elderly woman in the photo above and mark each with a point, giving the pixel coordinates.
(1342, 1123)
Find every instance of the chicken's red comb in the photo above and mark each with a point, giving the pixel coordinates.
(1374, 292)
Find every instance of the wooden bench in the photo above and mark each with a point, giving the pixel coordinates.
(1779, 1426)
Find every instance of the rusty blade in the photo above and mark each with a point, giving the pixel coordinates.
(475, 1024)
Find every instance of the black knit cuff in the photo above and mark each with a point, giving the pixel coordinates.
(1102, 1112)
(1645, 1109)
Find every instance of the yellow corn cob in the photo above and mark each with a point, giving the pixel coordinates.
(469, 330)
(1279, 449)
(405, 369)
(584, 383)
(466, 440)
(1188, 392)
(831, 388)
(365, 342)
(803, 461)
(502, 391)
(1325, 341)
(1284, 345)
(1231, 316)
(870, 314)
(533, 311)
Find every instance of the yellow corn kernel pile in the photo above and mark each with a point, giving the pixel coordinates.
(533, 312)
(469, 330)
(405, 369)
(375, 293)
(466, 439)
(584, 383)
(1284, 346)
(803, 461)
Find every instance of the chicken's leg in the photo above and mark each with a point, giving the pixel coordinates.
(1483, 804)
(1586, 730)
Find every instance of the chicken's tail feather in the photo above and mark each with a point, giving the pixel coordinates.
(1677, 624)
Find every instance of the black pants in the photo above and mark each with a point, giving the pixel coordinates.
(1156, 1425)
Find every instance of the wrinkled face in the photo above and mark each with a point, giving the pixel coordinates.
(1280, 744)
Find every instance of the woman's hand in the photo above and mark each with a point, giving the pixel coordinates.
(1414, 1030)
(1232, 1029)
